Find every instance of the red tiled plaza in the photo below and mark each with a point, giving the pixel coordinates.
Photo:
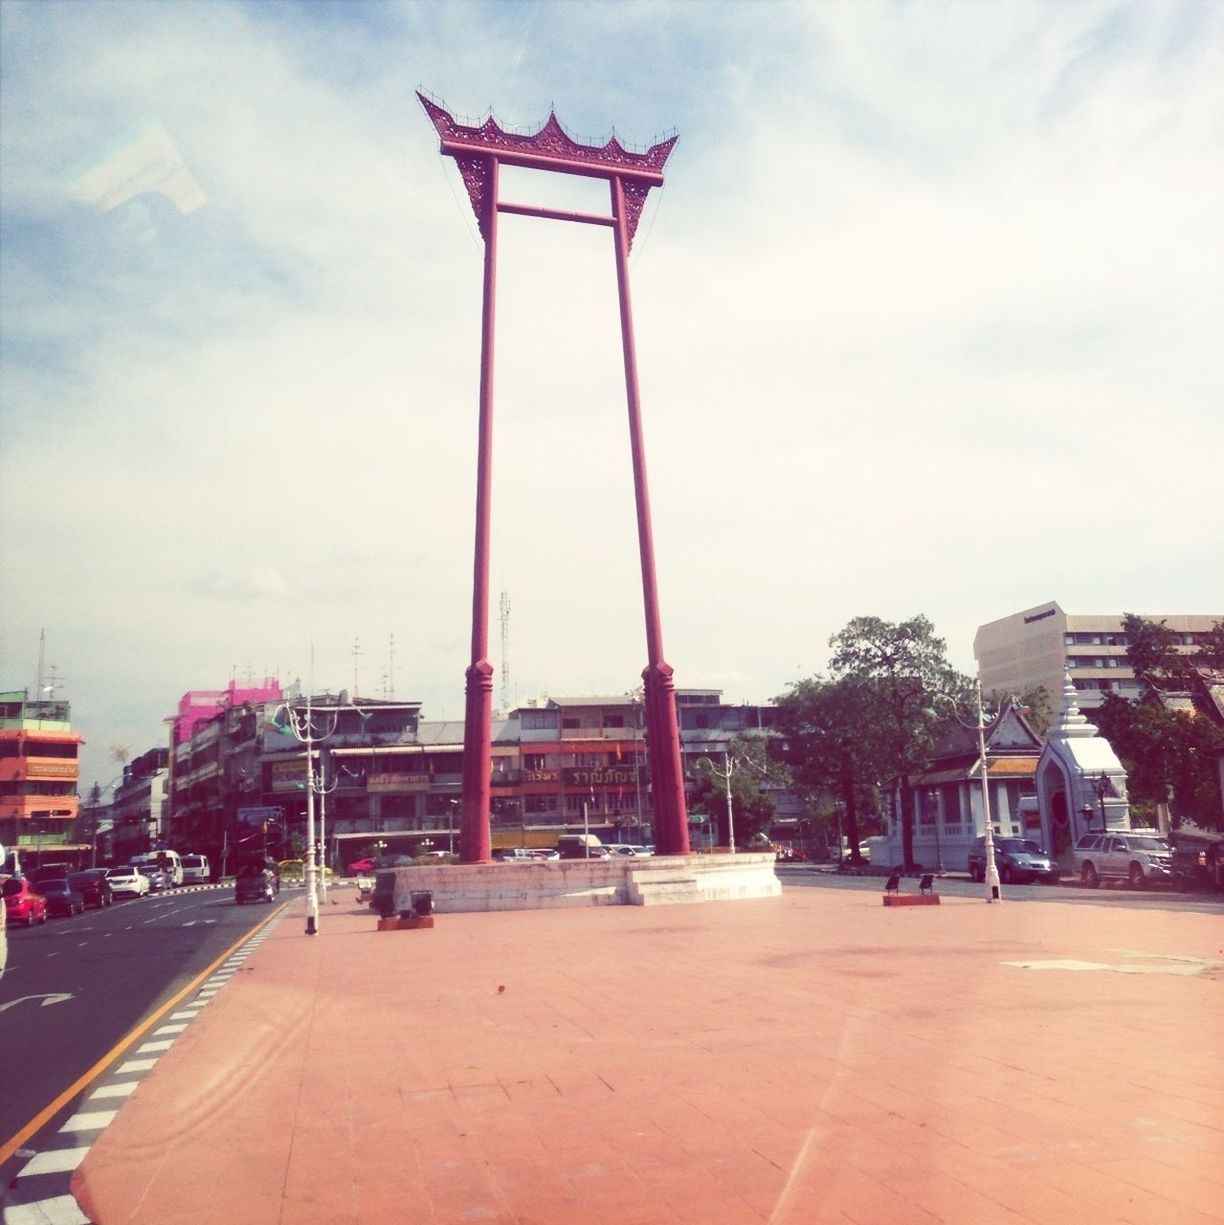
(815, 1057)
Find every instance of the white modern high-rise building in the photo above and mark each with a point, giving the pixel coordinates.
(1041, 645)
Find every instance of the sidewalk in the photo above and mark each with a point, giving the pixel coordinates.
(810, 1058)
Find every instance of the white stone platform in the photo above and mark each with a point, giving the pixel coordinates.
(548, 884)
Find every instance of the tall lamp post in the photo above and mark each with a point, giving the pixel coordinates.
(993, 893)
(323, 790)
(729, 764)
(303, 726)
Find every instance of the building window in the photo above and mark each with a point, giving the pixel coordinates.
(534, 761)
(614, 720)
(571, 721)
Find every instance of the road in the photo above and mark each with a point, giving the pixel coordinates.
(76, 987)
(961, 886)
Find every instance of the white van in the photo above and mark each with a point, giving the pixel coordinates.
(195, 870)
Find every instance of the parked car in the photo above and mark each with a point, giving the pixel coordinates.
(22, 904)
(361, 867)
(393, 861)
(1198, 859)
(93, 886)
(1139, 858)
(196, 869)
(1017, 860)
(629, 850)
(62, 898)
(581, 846)
(512, 854)
(125, 881)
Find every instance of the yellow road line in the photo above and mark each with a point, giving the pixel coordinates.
(98, 1068)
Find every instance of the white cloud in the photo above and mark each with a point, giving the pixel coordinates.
(926, 318)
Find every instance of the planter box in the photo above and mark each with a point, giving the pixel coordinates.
(396, 924)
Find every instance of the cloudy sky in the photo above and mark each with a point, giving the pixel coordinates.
(928, 313)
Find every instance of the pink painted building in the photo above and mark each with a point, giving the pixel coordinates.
(197, 706)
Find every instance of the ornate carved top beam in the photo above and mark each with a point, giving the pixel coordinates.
(551, 148)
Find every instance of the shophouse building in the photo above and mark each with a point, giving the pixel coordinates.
(1042, 645)
(39, 775)
(384, 774)
(140, 805)
(213, 763)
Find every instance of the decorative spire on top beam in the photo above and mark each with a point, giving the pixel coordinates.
(475, 148)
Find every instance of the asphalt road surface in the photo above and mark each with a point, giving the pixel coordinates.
(75, 987)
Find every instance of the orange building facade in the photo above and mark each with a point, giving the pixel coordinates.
(39, 771)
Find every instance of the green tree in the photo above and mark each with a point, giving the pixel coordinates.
(831, 733)
(752, 772)
(907, 664)
(1169, 755)
(1151, 648)
(1211, 648)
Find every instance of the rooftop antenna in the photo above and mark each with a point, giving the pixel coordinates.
(390, 693)
(356, 653)
(42, 659)
(503, 609)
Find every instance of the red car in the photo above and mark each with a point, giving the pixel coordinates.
(22, 904)
(363, 867)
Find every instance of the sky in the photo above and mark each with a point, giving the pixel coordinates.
(928, 319)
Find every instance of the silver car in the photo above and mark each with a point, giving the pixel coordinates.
(1138, 858)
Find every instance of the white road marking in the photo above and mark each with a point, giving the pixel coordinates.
(134, 1065)
(57, 997)
(94, 1120)
(57, 1161)
(170, 1029)
(149, 1048)
(62, 1210)
(1182, 967)
(126, 1089)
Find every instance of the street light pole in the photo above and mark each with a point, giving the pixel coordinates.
(991, 875)
(324, 791)
(303, 729)
(992, 871)
(725, 774)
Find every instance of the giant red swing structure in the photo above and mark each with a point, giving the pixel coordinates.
(479, 152)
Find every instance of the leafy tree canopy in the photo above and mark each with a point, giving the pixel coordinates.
(1152, 651)
(872, 718)
(1167, 754)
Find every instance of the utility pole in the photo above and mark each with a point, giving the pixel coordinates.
(504, 614)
